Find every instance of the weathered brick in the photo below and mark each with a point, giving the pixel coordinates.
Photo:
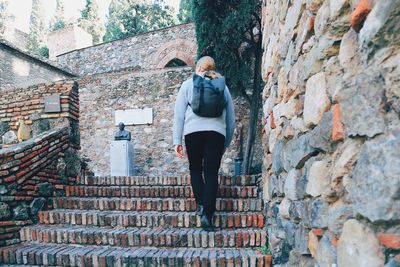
(391, 241)
(359, 14)
(337, 128)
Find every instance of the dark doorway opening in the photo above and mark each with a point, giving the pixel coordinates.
(176, 62)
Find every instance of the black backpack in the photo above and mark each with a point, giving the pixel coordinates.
(208, 96)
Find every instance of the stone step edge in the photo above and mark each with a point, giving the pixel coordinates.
(157, 191)
(150, 213)
(71, 255)
(139, 237)
(151, 198)
(164, 180)
(149, 219)
(173, 186)
(154, 204)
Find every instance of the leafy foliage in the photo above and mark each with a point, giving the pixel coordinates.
(224, 30)
(265, 250)
(229, 31)
(43, 51)
(91, 21)
(58, 21)
(38, 30)
(130, 17)
(185, 11)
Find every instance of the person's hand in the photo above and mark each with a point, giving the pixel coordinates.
(179, 151)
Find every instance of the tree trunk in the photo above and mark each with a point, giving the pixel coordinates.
(254, 109)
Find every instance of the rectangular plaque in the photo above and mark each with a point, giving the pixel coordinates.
(134, 116)
(52, 103)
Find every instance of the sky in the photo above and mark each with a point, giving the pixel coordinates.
(21, 9)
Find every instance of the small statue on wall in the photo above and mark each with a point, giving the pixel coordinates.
(122, 134)
(24, 131)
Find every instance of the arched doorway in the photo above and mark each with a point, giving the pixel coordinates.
(169, 53)
(175, 62)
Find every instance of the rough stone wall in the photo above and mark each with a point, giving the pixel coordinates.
(332, 144)
(147, 51)
(30, 172)
(18, 69)
(28, 104)
(102, 94)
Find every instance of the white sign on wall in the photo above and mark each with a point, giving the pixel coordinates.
(137, 116)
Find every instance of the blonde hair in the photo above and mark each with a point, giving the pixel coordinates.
(207, 63)
(212, 74)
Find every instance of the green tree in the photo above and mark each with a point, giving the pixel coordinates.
(3, 14)
(230, 32)
(185, 11)
(58, 21)
(91, 21)
(36, 42)
(130, 17)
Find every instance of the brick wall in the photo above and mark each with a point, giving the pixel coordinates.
(29, 173)
(28, 104)
(102, 94)
(332, 143)
(35, 169)
(147, 51)
(18, 69)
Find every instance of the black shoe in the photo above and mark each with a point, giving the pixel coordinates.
(199, 210)
(206, 223)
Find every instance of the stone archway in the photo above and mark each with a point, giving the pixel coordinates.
(181, 49)
(175, 62)
(186, 58)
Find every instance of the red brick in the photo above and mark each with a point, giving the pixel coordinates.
(310, 23)
(318, 232)
(267, 260)
(260, 220)
(391, 241)
(28, 157)
(360, 14)
(337, 129)
(334, 241)
(10, 179)
(272, 120)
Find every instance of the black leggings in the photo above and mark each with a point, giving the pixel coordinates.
(205, 150)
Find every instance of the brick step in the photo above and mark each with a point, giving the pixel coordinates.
(93, 256)
(154, 204)
(149, 219)
(183, 180)
(139, 237)
(156, 191)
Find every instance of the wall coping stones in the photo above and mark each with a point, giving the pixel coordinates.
(42, 61)
(128, 37)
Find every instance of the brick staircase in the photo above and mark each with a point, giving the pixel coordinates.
(144, 221)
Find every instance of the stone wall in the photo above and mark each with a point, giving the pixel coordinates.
(18, 69)
(27, 105)
(147, 51)
(332, 143)
(102, 94)
(30, 172)
(13, 35)
(67, 39)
